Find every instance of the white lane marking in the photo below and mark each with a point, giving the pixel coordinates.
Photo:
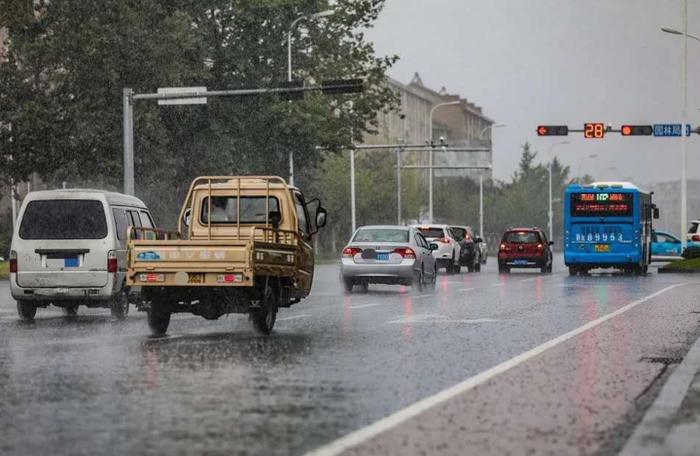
(366, 433)
(531, 279)
(436, 318)
(364, 306)
(464, 289)
(498, 284)
(294, 317)
(423, 296)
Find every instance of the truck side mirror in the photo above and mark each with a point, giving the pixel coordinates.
(275, 218)
(187, 216)
(321, 217)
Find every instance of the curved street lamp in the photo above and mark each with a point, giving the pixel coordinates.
(430, 156)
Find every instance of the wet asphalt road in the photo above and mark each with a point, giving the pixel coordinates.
(336, 363)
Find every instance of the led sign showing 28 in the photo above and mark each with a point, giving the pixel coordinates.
(594, 130)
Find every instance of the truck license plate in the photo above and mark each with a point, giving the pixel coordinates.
(195, 278)
(602, 247)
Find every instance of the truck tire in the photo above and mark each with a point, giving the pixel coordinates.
(119, 305)
(70, 310)
(264, 317)
(158, 318)
(26, 310)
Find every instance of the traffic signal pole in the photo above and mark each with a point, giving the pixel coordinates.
(338, 86)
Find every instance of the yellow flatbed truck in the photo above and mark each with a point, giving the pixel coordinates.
(243, 245)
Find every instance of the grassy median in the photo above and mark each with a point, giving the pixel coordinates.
(691, 265)
(4, 270)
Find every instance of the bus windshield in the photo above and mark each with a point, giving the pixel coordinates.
(602, 204)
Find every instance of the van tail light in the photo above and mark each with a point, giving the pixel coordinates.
(349, 252)
(13, 262)
(406, 253)
(112, 265)
(695, 238)
(540, 247)
(444, 240)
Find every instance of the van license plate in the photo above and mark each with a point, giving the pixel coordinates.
(71, 262)
(195, 278)
(602, 247)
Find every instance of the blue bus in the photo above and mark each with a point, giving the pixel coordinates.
(607, 225)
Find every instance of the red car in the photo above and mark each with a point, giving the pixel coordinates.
(525, 248)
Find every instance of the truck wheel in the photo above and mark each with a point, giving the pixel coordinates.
(264, 317)
(70, 310)
(119, 305)
(26, 310)
(158, 318)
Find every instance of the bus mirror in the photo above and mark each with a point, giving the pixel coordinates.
(655, 212)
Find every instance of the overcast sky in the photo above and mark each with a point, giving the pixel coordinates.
(530, 62)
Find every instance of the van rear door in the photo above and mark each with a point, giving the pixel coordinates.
(63, 243)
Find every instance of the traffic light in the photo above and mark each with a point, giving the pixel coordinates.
(636, 130)
(296, 95)
(336, 86)
(552, 130)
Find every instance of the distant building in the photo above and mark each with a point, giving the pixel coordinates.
(667, 197)
(461, 125)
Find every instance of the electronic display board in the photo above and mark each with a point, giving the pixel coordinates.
(602, 204)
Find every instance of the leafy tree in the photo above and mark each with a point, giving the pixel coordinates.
(68, 61)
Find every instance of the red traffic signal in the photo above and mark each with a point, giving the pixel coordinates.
(636, 130)
(552, 130)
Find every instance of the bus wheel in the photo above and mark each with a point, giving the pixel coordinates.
(573, 270)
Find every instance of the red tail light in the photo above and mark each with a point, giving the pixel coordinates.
(695, 238)
(503, 247)
(13, 262)
(444, 240)
(349, 252)
(406, 253)
(540, 247)
(112, 264)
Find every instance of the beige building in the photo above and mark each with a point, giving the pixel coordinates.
(462, 125)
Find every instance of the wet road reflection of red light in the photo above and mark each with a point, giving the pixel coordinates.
(151, 369)
(406, 326)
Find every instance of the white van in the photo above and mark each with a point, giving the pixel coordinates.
(69, 249)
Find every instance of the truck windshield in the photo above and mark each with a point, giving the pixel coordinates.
(64, 219)
(381, 235)
(224, 209)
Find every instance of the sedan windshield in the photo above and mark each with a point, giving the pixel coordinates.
(381, 235)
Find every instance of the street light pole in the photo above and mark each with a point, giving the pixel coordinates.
(550, 212)
(430, 154)
(481, 180)
(289, 68)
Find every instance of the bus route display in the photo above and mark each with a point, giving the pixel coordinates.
(602, 204)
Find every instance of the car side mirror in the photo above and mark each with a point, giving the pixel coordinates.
(433, 246)
(186, 217)
(551, 243)
(478, 240)
(321, 217)
(275, 218)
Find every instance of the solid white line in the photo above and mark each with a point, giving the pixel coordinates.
(423, 296)
(364, 434)
(364, 306)
(294, 317)
(464, 289)
(498, 284)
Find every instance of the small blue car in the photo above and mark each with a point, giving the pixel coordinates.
(664, 244)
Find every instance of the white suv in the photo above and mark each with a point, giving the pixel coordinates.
(448, 252)
(694, 231)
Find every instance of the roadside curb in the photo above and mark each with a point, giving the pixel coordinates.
(678, 271)
(650, 436)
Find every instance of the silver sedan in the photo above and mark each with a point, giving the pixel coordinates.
(388, 254)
